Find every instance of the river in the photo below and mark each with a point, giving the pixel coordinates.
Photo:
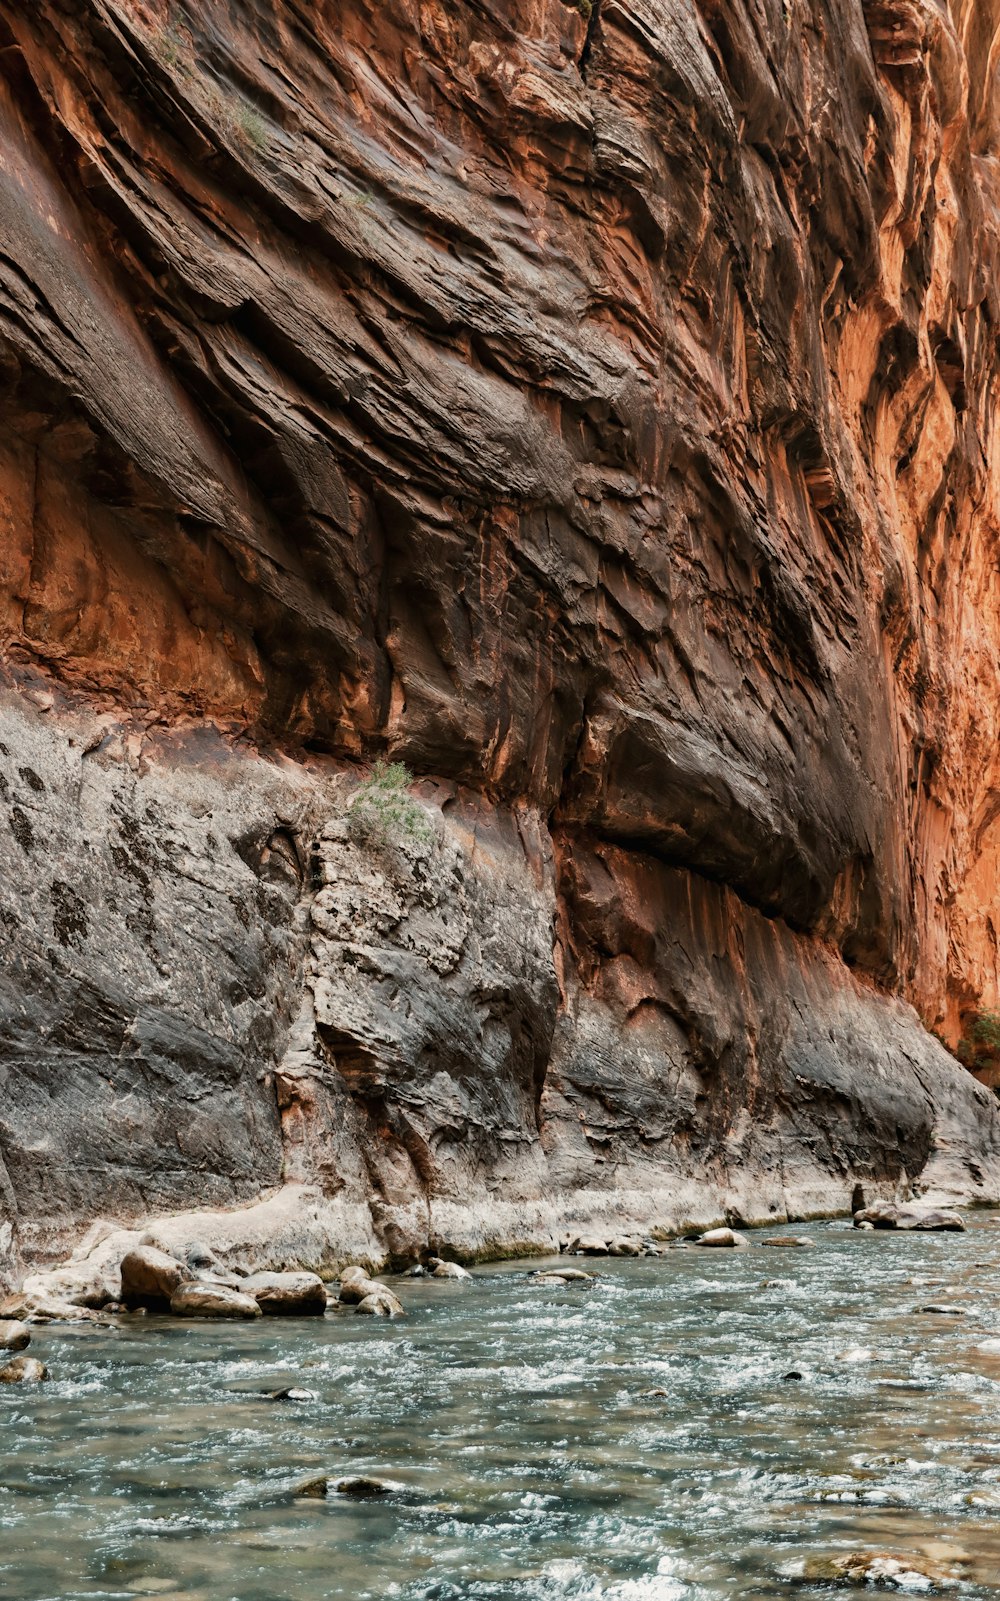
(638, 1441)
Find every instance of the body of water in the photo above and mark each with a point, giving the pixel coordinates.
(638, 1441)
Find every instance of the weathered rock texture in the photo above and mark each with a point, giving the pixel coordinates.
(598, 413)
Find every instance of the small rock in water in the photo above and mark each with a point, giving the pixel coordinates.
(314, 1489)
(361, 1488)
(287, 1294)
(790, 1240)
(793, 1374)
(380, 1303)
(23, 1370)
(447, 1270)
(13, 1335)
(291, 1394)
(212, 1301)
(355, 1286)
(721, 1238)
(354, 1275)
(886, 1215)
(587, 1245)
(879, 1570)
(561, 1275)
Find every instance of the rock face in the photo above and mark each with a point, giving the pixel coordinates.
(597, 414)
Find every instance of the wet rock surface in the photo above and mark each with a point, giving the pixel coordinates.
(589, 412)
(23, 1370)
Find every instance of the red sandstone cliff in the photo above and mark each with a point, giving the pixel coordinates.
(594, 407)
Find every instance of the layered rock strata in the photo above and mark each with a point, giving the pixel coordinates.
(596, 412)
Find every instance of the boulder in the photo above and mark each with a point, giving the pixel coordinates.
(380, 1303)
(13, 1335)
(887, 1215)
(150, 1277)
(790, 1241)
(212, 1301)
(721, 1238)
(355, 1289)
(625, 1247)
(361, 1487)
(32, 1307)
(286, 1294)
(587, 1245)
(80, 1285)
(355, 1275)
(23, 1370)
(447, 1270)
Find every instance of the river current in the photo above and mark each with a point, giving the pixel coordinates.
(638, 1441)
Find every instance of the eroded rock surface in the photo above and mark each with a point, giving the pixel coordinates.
(596, 413)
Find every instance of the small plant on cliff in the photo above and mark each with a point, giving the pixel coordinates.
(248, 125)
(174, 48)
(979, 1047)
(382, 812)
(986, 1030)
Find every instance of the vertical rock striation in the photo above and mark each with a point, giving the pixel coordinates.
(595, 407)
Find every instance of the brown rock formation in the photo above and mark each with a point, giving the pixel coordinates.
(597, 412)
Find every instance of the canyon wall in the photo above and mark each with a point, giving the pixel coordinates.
(594, 407)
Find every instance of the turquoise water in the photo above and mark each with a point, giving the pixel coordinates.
(635, 1442)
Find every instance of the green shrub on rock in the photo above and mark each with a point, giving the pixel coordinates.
(383, 812)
